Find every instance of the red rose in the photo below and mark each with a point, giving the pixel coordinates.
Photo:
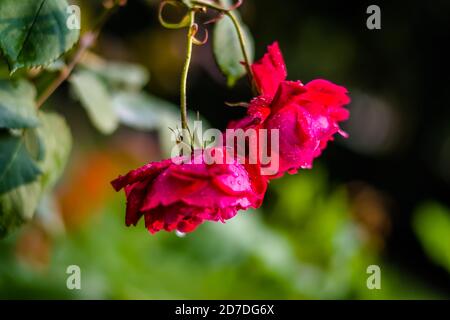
(307, 116)
(180, 196)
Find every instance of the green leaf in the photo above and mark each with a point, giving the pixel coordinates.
(123, 74)
(56, 138)
(144, 112)
(19, 204)
(16, 164)
(432, 226)
(34, 32)
(4, 70)
(94, 96)
(227, 49)
(17, 107)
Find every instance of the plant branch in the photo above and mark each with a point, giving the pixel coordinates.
(86, 42)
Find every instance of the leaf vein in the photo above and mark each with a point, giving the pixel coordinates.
(27, 36)
(13, 158)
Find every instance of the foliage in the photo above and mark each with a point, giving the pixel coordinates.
(34, 145)
(432, 226)
(17, 109)
(227, 49)
(34, 33)
(32, 177)
(94, 96)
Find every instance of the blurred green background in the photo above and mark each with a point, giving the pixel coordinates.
(382, 197)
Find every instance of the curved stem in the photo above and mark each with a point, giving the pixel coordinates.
(241, 37)
(244, 49)
(184, 75)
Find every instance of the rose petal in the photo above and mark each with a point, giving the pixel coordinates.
(270, 71)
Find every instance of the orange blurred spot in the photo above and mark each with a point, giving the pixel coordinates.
(87, 187)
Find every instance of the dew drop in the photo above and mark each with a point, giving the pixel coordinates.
(180, 234)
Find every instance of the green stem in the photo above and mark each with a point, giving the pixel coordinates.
(184, 75)
(241, 37)
(244, 49)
